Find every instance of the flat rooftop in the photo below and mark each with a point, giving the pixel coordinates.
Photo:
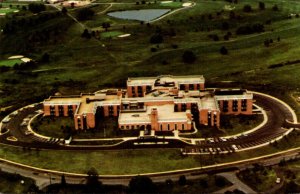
(191, 79)
(86, 102)
(209, 103)
(232, 94)
(165, 114)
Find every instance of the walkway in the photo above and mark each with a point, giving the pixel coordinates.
(237, 183)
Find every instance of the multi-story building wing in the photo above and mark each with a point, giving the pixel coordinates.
(163, 103)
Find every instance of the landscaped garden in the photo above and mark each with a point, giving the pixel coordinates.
(229, 125)
(62, 127)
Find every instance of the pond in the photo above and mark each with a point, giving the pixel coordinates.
(141, 15)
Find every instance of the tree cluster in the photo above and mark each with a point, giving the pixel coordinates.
(21, 24)
(189, 57)
(36, 7)
(85, 14)
(250, 29)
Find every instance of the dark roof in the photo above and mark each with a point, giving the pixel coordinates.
(225, 92)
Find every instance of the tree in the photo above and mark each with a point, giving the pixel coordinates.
(220, 181)
(141, 184)
(86, 34)
(261, 5)
(169, 182)
(247, 8)
(45, 58)
(63, 180)
(156, 38)
(267, 43)
(64, 10)
(85, 14)
(92, 178)
(275, 8)
(292, 187)
(105, 25)
(188, 57)
(225, 25)
(203, 183)
(36, 7)
(182, 180)
(223, 50)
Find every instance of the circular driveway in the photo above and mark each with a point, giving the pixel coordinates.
(276, 110)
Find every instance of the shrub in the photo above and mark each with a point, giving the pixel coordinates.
(182, 180)
(275, 8)
(36, 7)
(85, 14)
(261, 5)
(247, 8)
(156, 39)
(188, 57)
(223, 50)
(153, 49)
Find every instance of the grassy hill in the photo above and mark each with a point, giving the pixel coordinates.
(79, 64)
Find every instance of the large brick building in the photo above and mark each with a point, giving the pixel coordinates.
(161, 103)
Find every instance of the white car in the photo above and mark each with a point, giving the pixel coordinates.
(223, 138)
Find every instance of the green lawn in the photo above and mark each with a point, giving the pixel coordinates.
(171, 4)
(5, 11)
(60, 127)
(111, 34)
(10, 62)
(56, 127)
(132, 161)
(234, 124)
(230, 125)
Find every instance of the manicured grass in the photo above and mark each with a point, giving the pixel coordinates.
(111, 34)
(10, 62)
(5, 11)
(53, 127)
(132, 161)
(230, 125)
(171, 4)
(61, 127)
(234, 124)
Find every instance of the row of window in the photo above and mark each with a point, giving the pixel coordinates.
(61, 110)
(144, 126)
(139, 91)
(189, 87)
(234, 105)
